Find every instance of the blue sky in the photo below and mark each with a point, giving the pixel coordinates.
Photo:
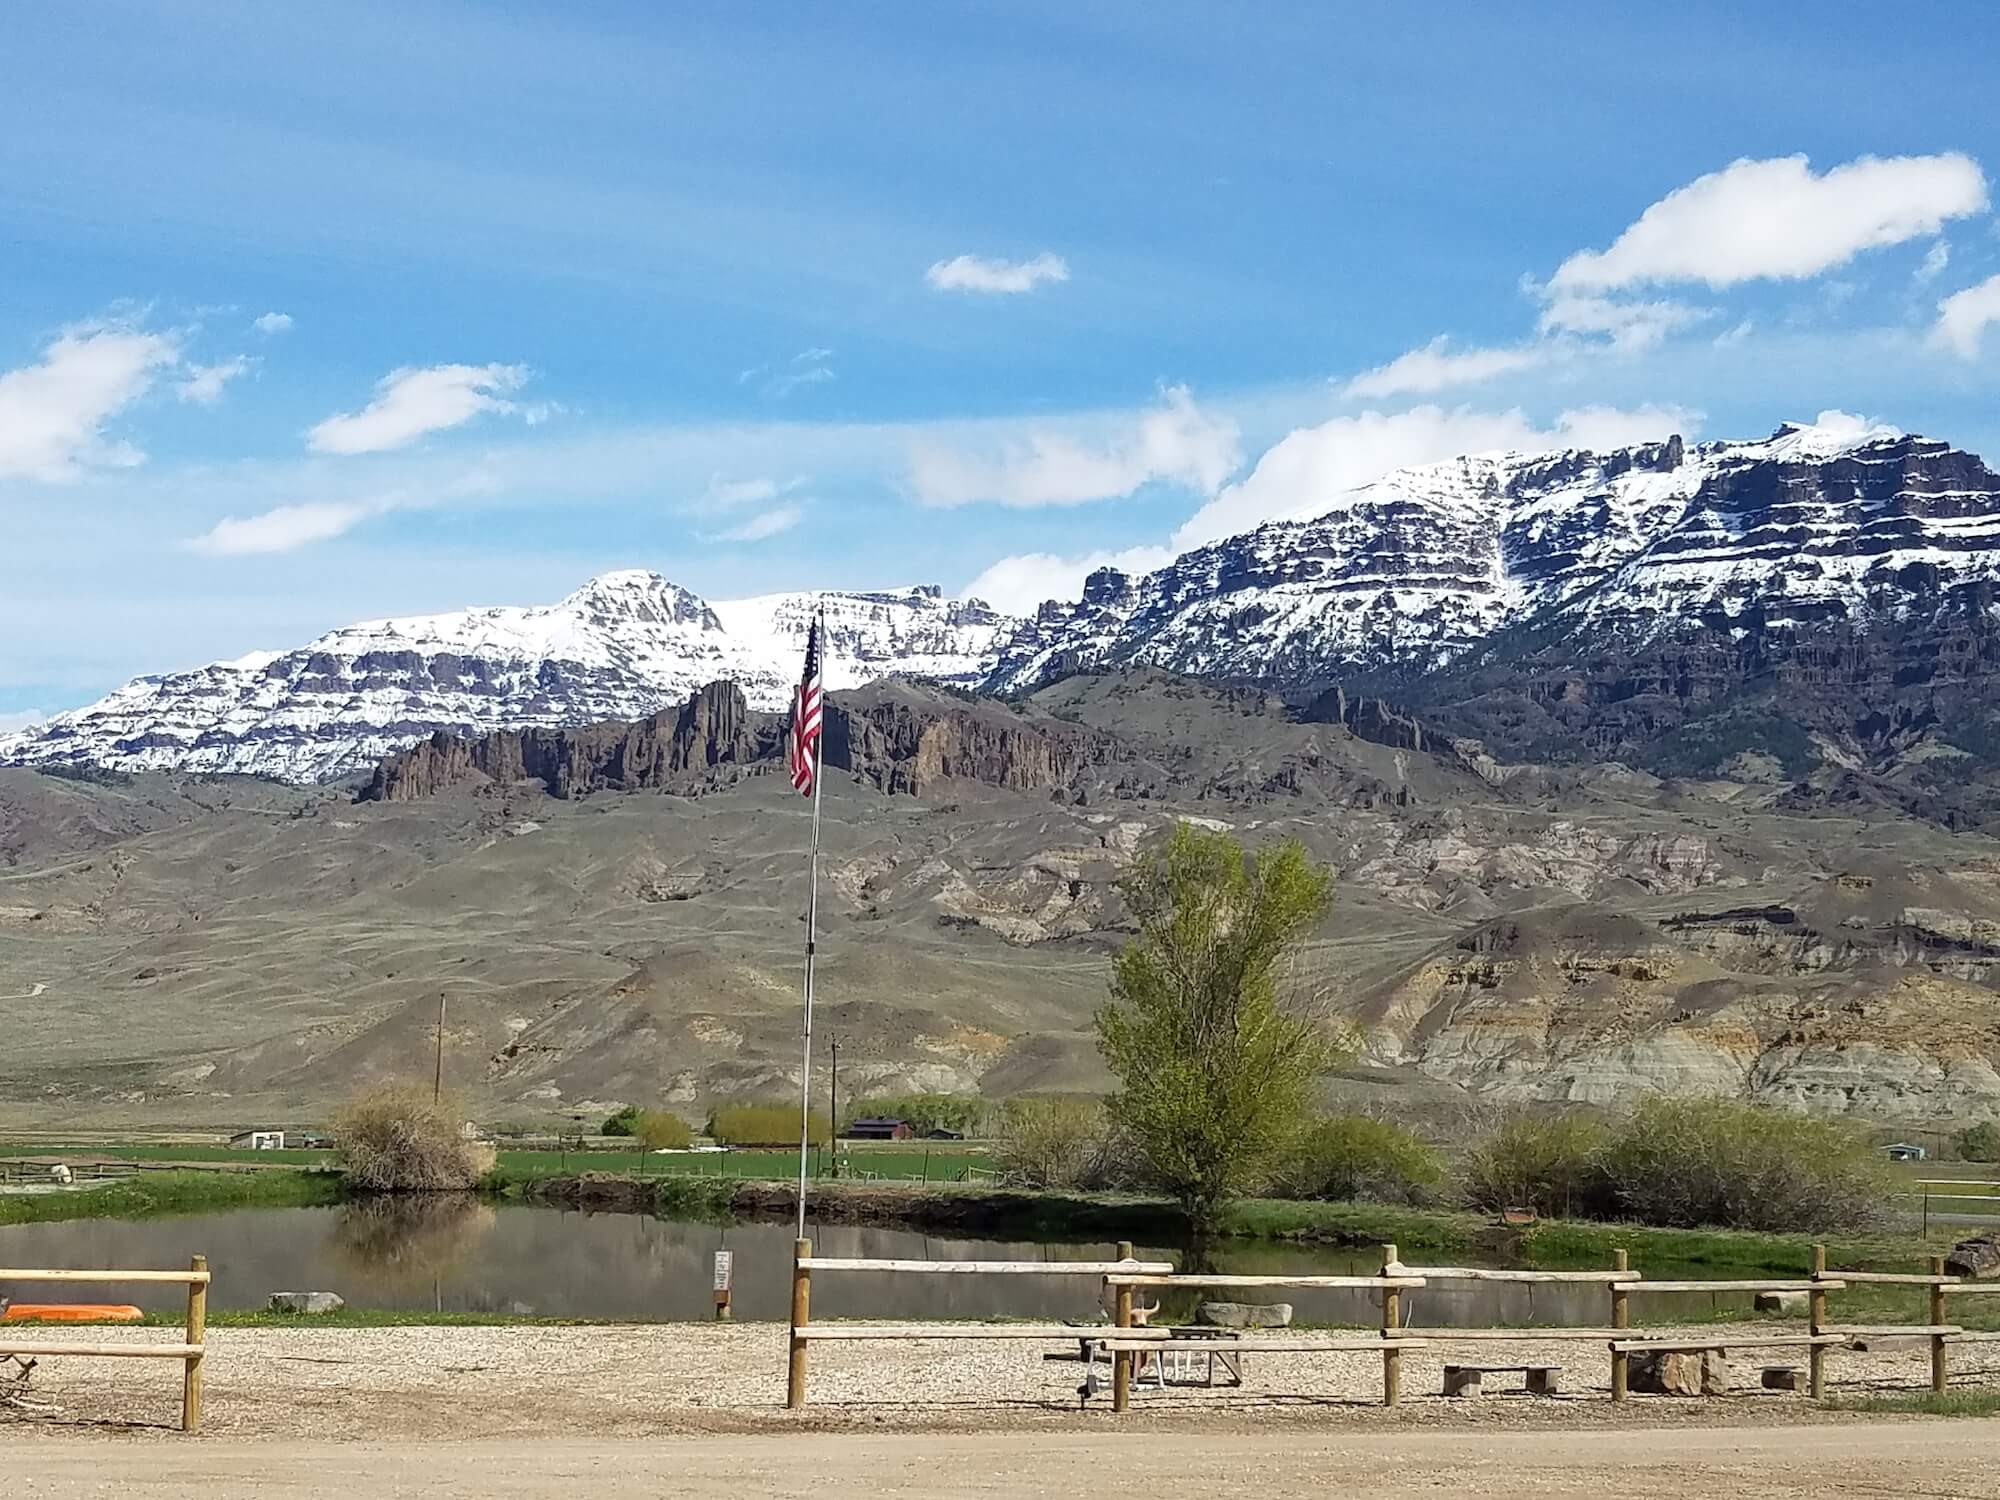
(322, 312)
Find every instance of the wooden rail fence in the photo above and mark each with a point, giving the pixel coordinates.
(1127, 1343)
(189, 1351)
(805, 1332)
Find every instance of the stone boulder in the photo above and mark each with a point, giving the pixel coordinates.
(1791, 1304)
(1244, 1314)
(1672, 1373)
(306, 1302)
(1978, 1257)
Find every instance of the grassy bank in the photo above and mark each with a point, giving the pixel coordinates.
(156, 1193)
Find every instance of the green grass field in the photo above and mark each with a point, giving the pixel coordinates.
(899, 1161)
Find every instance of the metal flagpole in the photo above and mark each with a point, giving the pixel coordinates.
(812, 923)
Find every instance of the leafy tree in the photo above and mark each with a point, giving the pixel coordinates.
(763, 1125)
(1216, 1079)
(622, 1121)
(1979, 1142)
(662, 1130)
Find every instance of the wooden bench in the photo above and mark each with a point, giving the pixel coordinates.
(1465, 1380)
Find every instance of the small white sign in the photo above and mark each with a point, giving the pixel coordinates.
(724, 1260)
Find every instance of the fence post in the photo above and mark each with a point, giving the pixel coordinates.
(1937, 1321)
(1816, 1305)
(1392, 1322)
(1621, 1318)
(795, 1375)
(197, 1333)
(1121, 1360)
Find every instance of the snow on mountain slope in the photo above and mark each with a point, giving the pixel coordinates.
(1838, 519)
(623, 646)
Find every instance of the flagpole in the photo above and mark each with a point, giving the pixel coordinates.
(812, 923)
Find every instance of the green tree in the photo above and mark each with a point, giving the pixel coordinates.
(622, 1120)
(1979, 1142)
(1215, 1078)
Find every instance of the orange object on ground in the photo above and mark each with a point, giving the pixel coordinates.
(71, 1312)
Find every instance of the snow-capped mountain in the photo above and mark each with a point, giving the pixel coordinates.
(1509, 555)
(623, 646)
(1838, 519)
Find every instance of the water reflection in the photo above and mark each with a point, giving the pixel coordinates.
(413, 1240)
(463, 1255)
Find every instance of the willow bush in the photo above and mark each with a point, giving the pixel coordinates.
(1356, 1156)
(1684, 1164)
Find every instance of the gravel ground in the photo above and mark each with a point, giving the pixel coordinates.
(1688, 1462)
(638, 1380)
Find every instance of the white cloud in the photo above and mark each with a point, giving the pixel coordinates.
(412, 402)
(1934, 262)
(1963, 317)
(52, 413)
(806, 368)
(284, 528)
(1175, 443)
(273, 322)
(1631, 326)
(1304, 472)
(1436, 367)
(1777, 219)
(1598, 428)
(27, 718)
(728, 494)
(976, 273)
(1018, 585)
(764, 524)
(204, 383)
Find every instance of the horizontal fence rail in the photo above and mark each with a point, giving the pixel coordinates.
(191, 1278)
(1133, 1345)
(1156, 1268)
(189, 1351)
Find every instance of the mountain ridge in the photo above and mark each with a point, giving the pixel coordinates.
(1557, 605)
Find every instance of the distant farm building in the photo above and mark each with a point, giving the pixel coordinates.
(258, 1140)
(880, 1130)
(1904, 1151)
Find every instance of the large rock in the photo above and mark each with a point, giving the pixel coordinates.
(1244, 1314)
(1791, 1304)
(307, 1302)
(1671, 1373)
(1978, 1257)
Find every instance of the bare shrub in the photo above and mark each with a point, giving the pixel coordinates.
(1051, 1142)
(1550, 1163)
(397, 1139)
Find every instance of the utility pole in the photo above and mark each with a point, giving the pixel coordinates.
(437, 1079)
(833, 1107)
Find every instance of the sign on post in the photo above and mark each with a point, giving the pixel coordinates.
(725, 1265)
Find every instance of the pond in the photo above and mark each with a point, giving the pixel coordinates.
(462, 1255)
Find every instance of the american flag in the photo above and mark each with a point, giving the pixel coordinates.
(806, 715)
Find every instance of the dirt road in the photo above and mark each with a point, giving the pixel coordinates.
(1930, 1459)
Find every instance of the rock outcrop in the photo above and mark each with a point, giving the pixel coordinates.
(712, 732)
